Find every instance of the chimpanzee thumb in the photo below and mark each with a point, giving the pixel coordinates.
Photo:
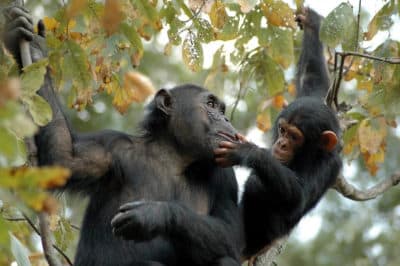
(41, 28)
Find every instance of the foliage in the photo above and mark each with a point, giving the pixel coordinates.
(103, 51)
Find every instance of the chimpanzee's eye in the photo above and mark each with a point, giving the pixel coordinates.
(281, 130)
(211, 103)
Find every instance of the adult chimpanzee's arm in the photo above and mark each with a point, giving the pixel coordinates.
(312, 73)
(202, 238)
(85, 157)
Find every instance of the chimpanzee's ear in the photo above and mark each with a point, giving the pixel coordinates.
(163, 101)
(328, 140)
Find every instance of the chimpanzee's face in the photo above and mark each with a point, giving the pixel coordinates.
(200, 123)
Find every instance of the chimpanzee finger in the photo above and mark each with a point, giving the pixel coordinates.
(41, 28)
(121, 219)
(121, 225)
(17, 11)
(22, 33)
(220, 151)
(20, 22)
(130, 205)
(227, 144)
(241, 137)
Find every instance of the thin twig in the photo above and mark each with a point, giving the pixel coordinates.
(32, 225)
(389, 60)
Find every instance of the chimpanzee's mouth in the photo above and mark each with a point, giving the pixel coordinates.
(227, 136)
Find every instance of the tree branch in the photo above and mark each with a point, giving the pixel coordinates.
(353, 193)
(52, 259)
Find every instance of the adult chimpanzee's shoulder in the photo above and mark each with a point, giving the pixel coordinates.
(110, 139)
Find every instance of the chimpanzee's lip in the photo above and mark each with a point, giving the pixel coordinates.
(227, 136)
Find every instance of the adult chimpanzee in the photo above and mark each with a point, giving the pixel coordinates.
(290, 178)
(184, 209)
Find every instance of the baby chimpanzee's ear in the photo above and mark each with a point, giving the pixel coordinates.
(328, 140)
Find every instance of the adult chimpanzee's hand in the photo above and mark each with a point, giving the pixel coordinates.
(233, 153)
(19, 26)
(140, 220)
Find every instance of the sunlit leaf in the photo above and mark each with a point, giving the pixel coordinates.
(337, 26)
(33, 77)
(381, 20)
(371, 136)
(192, 53)
(218, 15)
(278, 13)
(139, 84)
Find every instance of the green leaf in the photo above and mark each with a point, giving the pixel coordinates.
(132, 36)
(205, 31)
(335, 27)
(192, 53)
(75, 64)
(281, 46)
(269, 76)
(8, 144)
(39, 109)
(230, 29)
(383, 72)
(33, 77)
(20, 252)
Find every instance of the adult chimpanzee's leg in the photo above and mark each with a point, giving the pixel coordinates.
(312, 77)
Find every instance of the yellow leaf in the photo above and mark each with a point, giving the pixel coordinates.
(218, 14)
(53, 222)
(370, 136)
(139, 84)
(113, 15)
(365, 84)
(292, 89)
(50, 23)
(278, 13)
(373, 159)
(137, 88)
(75, 7)
(264, 120)
(278, 101)
(350, 75)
